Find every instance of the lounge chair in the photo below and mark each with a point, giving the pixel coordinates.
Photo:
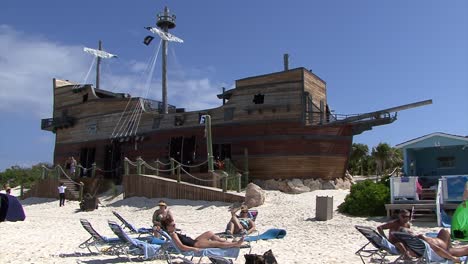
(134, 246)
(96, 240)
(422, 250)
(382, 247)
(216, 255)
(132, 228)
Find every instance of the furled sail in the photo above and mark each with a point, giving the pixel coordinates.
(100, 53)
(164, 35)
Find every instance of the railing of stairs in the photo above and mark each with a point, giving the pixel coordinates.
(59, 171)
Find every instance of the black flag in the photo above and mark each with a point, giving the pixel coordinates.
(148, 40)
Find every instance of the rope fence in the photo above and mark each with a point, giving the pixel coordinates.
(228, 179)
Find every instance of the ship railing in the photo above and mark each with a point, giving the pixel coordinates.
(57, 171)
(228, 180)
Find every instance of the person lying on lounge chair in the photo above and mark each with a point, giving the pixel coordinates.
(442, 245)
(206, 240)
(396, 225)
(241, 224)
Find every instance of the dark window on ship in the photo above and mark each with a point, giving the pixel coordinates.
(178, 121)
(445, 162)
(222, 151)
(258, 98)
(156, 122)
(201, 118)
(228, 114)
(85, 98)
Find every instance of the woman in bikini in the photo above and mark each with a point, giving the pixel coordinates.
(205, 240)
(241, 224)
(158, 215)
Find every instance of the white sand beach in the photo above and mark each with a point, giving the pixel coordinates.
(51, 234)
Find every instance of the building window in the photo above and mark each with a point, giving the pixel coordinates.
(85, 98)
(445, 162)
(156, 122)
(92, 128)
(259, 98)
(228, 114)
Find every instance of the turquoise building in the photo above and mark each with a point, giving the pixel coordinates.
(434, 155)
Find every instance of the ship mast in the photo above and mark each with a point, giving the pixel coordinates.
(98, 65)
(165, 22)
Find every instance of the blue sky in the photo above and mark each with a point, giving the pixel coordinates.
(372, 54)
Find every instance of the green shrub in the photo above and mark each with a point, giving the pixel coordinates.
(366, 198)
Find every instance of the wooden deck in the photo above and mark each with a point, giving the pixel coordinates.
(151, 186)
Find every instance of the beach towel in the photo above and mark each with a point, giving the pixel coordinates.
(269, 234)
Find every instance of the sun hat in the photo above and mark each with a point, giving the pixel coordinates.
(162, 203)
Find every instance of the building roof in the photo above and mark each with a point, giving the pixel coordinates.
(440, 134)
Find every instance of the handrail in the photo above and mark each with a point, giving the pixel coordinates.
(57, 168)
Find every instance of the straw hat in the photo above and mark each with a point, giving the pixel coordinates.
(162, 204)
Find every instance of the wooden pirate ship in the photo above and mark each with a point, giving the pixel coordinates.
(280, 121)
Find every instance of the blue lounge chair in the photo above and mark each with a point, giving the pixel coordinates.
(134, 246)
(422, 249)
(96, 240)
(132, 228)
(216, 255)
(382, 247)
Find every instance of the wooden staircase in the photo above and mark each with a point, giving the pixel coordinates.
(424, 214)
(72, 191)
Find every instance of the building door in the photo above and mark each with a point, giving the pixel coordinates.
(87, 158)
(113, 162)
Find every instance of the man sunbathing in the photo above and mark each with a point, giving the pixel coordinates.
(206, 240)
(442, 245)
(396, 226)
(240, 225)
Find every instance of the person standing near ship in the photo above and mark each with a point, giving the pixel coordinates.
(61, 190)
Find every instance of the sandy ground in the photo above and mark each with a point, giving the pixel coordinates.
(51, 234)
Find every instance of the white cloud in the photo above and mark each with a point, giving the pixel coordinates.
(29, 62)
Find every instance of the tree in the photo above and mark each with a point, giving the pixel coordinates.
(382, 155)
(357, 156)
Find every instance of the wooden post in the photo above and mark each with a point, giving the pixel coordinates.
(157, 167)
(126, 167)
(139, 161)
(225, 182)
(172, 167)
(143, 168)
(239, 180)
(178, 173)
(209, 142)
(209, 148)
(93, 170)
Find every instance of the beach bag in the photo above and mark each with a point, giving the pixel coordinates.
(266, 258)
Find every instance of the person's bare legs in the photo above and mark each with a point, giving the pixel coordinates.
(203, 241)
(459, 251)
(444, 235)
(208, 235)
(235, 223)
